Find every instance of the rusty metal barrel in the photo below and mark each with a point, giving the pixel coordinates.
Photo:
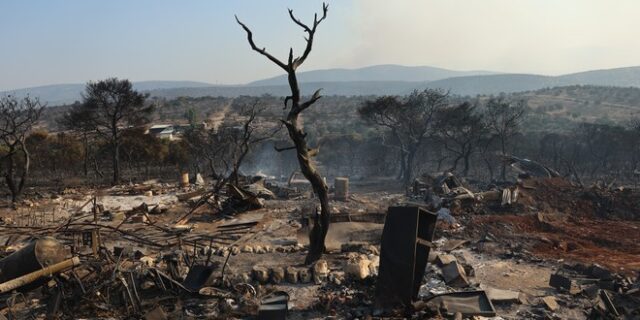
(36, 255)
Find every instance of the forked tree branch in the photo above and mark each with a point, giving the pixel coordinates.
(262, 51)
(292, 63)
(311, 32)
(312, 100)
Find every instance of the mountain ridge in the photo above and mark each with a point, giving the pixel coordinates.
(66, 93)
(378, 81)
(382, 72)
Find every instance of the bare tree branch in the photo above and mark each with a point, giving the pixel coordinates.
(311, 32)
(262, 51)
(312, 100)
(284, 149)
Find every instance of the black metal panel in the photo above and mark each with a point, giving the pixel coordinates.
(426, 229)
(198, 276)
(402, 259)
(274, 306)
(33, 257)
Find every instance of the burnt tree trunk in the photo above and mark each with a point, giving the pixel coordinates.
(408, 173)
(320, 228)
(115, 142)
(503, 147)
(297, 135)
(85, 142)
(116, 163)
(16, 183)
(403, 165)
(465, 172)
(9, 178)
(25, 167)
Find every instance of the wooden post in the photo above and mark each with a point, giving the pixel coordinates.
(95, 209)
(95, 241)
(33, 276)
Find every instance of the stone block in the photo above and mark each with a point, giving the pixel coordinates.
(277, 275)
(291, 275)
(454, 275)
(358, 268)
(261, 274)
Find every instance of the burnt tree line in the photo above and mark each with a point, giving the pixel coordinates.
(460, 139)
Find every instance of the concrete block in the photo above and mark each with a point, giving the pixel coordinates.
(503, 296)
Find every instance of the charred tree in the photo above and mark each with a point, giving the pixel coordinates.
(225, 148)
(461, 129)
(296, 133)
(78, 121)
(503, 120)
(110, 106)
(409, 121)
(17, 118)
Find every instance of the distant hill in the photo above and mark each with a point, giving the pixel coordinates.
(374, 80)
(461, 85)
(618, 77)
(385, 72)
(586, 103)
(58, 94)
(493, 84)
(340, 88)
(507, 83)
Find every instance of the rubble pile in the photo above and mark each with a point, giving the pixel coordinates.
(540, 248)
(611, 295)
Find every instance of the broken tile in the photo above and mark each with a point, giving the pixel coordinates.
(445, 259)
(550, 303)
(453, 244)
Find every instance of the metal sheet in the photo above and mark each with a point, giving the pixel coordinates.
(197, 277)
(404, 254)
(468, 303)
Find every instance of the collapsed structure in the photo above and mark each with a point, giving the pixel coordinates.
(539, 248)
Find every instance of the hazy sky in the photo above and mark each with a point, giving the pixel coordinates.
(73, 41)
